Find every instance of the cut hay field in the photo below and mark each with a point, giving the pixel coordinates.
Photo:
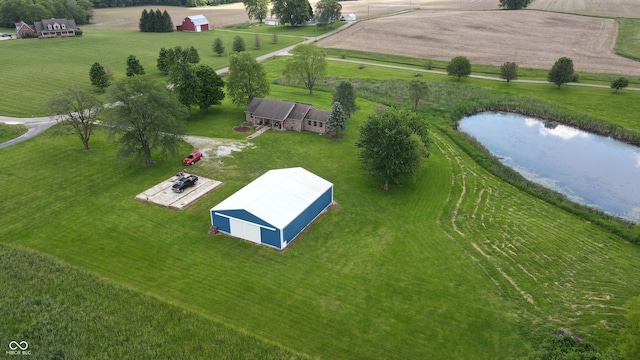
(493, 37)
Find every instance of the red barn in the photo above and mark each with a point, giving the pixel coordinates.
(195, 23)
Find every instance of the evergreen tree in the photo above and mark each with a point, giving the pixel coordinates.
(336, 122)
(156, 21)
(99, 76)
(163, 60)
(134, 67)
(167, 24)
(143, 25)
(238, 44)
(218, 47)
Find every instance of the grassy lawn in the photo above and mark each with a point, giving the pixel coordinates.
(69, 60)
(628, 38)
(8, 132)
(455, 264)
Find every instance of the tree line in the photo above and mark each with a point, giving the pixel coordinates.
(188, 3)
(30, 11)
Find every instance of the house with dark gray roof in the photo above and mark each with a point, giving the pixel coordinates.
(48, 28)
(286, 115)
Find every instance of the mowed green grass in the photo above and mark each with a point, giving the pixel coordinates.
(33, 70)
(455, 264)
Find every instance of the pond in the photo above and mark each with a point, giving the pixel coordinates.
(590, 169)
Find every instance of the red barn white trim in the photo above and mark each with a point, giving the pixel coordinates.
(194, 23)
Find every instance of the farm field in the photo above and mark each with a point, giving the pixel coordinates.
(605, 8)
(493, 37)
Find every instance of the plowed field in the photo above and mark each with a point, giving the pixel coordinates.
(531, 38)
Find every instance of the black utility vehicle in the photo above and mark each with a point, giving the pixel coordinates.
(184, 182)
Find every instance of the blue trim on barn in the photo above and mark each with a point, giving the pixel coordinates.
(244, 215)
(307, 216)
(270, 237)
(221, 222)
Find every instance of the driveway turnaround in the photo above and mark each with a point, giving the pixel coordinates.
(163, 195)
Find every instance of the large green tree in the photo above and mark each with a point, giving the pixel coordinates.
(346, 95)
(210, 87)
(292, 12)
(77, 110)
(329, 11)
(218, 46)
(514, 4)
(99, 76)
(247, 79)
(197, 85)
(307, 65)
(561, 72)
(256, 9)
(393, 144)
(177, 57)
(149, 117)
(459, 66)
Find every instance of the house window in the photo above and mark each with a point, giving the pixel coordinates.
(64, 26)
(251, 115)
(50, 27)
(321, 124)
(315, 123)
(56, 26)
(309, 122)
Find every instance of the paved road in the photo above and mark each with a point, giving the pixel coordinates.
(35, 125)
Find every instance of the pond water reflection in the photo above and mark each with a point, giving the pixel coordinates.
(590, 169)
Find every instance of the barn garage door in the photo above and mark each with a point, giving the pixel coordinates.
(245, 230)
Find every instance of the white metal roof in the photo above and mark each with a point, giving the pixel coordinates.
(278, 196)
(198, 19)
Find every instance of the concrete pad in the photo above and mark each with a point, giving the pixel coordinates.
(162, 194)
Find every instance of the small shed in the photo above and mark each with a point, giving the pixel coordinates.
(276, 207)
(194, 23)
